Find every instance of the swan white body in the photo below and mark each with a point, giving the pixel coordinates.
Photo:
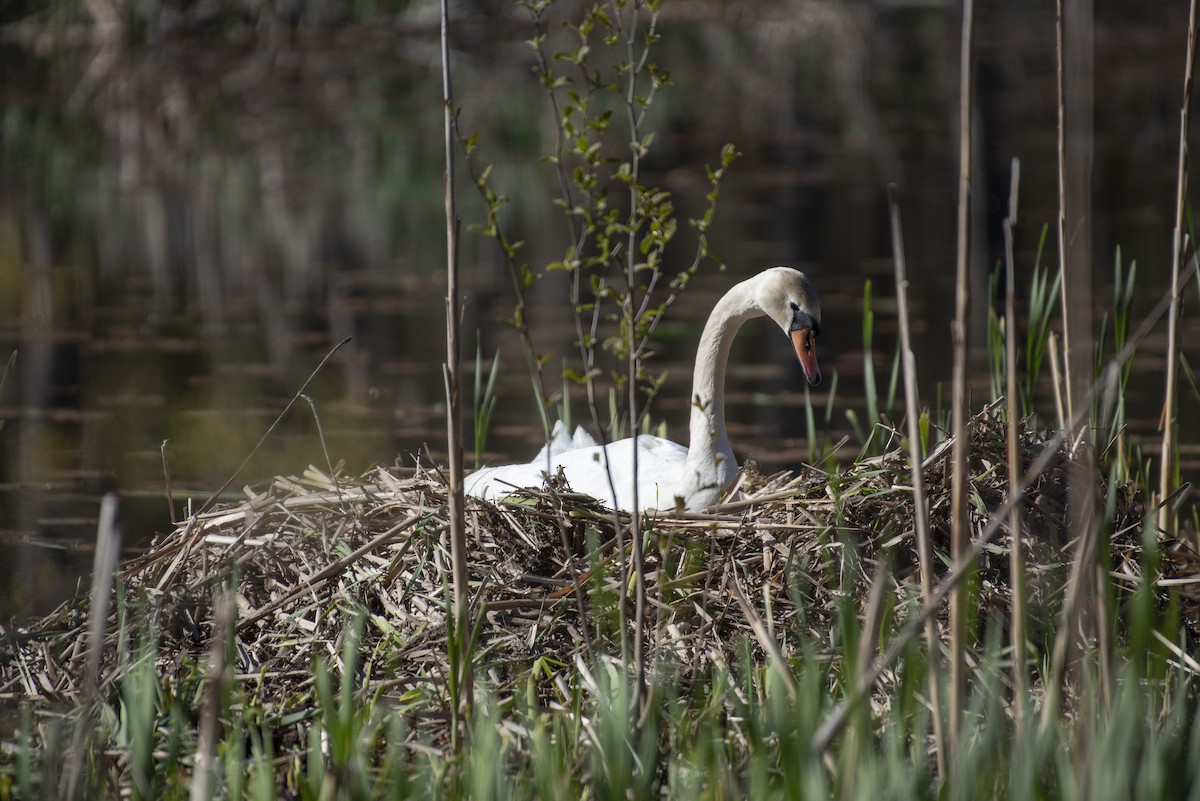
(668, 472)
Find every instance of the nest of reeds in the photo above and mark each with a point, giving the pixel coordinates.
(310, 558)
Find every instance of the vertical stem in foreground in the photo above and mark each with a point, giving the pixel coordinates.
(1069, 410)
(458, 533)
(1079, 146)
(104, 565)
(1167, 464)
(631, 318)
(1077, 138)
(920, 510)
(959, 534)
(1016, 556)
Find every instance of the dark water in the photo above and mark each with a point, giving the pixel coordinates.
(188, 224)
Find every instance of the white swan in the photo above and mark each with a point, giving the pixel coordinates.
(667, 471)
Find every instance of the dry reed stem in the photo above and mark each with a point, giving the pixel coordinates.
(1016, 553)
(959, 531)
(829, 729)
(166, 465)
(524, 575)
(216, 681)
(1170, 428)
(779, 665)
(1067, 410)
(274, 424)
(451, 368)
(104, 564)
(1056, 379)
(1082, 517)
(920, 506)
(282, 537)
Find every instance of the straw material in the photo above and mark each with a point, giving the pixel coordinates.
(305, 554)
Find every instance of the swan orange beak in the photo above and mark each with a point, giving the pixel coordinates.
(806, 351)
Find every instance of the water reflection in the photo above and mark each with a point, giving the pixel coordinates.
(188, 224)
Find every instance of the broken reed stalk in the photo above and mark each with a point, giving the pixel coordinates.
(219, 674)
(1167, 461)
(204, 507)
(779, 665)
(166, 465)
(189, 540)
(916, 459)
(451, 369)
(1079, 593)
(312, 405)
(829, 729)
(959, 535)
(868, 635)
(1056, 378)
(104, 565)
(1016, 556)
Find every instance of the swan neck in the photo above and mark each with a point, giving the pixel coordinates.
(708, 434)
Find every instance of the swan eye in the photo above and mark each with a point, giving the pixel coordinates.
(795, 306)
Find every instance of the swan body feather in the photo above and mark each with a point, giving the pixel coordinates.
(668, 474)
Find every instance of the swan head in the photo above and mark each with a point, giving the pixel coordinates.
(788, 298)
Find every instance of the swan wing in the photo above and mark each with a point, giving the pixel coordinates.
(560, 441)
(660, 474)
(582, 439)
(494, 483)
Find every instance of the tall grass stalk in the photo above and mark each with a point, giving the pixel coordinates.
(1169, 434)
(917, 447)
(959, 535)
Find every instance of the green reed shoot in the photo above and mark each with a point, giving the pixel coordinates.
(997, 325)
(1122, 312)
(810, 425)
(1043, 301)
(484, 403)
(868, 330)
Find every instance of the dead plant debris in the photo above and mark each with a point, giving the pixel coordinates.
(306, 554)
